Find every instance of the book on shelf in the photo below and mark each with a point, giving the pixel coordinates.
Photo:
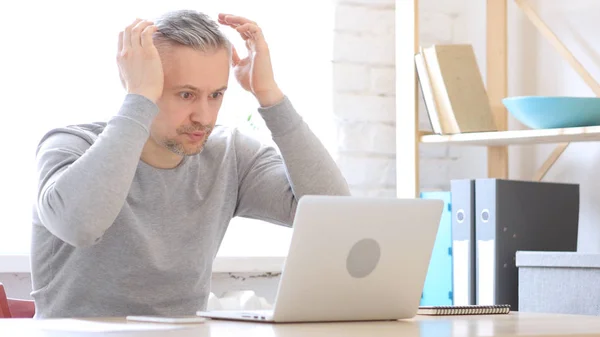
(453, 90)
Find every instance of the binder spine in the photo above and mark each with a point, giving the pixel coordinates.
(463, 241)
(485, 234)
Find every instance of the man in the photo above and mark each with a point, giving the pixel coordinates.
(130, 213)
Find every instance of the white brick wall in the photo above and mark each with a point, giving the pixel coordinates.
(371, 4)
(364, 20)
(364, 93)
(349, 77)
(364, 102)
(364, 106)
(358, 48)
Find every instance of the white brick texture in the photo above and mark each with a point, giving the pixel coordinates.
(364, 93)
(364, 137)
(366, 108)
(372, 50)
(369, 4)
(351, 77)
(364, 20)
(383, 81)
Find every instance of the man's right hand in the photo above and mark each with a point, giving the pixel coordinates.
(140, 66)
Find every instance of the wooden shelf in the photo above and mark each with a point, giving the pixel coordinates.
(517, 137)
(409, 138)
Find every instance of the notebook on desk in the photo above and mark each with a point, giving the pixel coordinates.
(444, 310)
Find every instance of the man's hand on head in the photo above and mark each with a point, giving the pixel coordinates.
(254, 72)
(140, 67)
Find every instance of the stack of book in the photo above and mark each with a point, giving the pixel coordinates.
(453, 91)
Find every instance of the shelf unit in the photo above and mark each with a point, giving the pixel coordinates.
(516, 137)
(409, 137)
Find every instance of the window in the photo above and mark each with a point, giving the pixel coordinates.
(58, 68)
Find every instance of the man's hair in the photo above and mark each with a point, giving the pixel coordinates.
(190, 28)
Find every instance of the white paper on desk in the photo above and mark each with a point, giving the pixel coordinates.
(80, 325)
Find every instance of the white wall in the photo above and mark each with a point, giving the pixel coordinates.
(364, 91)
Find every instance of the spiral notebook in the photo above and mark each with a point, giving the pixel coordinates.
(464, 309)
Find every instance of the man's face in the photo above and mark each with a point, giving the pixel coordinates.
(195, 82)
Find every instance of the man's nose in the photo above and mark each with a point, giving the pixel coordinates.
(200, 113)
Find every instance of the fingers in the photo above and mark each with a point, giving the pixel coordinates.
(132, 35)
(233, 20)
(221, 18)
(249, 31)
(146, 39)
(120, 47)
(127, 33)
(247, 28)
(136, 33)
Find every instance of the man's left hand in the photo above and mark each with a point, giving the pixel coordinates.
(254, 72)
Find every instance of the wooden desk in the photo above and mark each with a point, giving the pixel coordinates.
(514, 324)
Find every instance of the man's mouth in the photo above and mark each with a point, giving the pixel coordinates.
(196, 136)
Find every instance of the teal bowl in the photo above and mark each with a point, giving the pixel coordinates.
(547, 112)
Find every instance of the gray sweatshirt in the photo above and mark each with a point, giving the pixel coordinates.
(113, 236)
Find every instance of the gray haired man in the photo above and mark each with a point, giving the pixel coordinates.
(130, 213)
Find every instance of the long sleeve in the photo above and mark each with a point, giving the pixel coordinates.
(271, 183)
(83, 183)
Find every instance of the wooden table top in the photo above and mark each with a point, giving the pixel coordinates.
(513, 324)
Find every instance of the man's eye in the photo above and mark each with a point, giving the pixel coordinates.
(186, 95)
(216, 94)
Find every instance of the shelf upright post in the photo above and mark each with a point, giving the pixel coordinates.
(407, 114)
(497, 81)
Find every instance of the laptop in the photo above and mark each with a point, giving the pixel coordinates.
(352, 259)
